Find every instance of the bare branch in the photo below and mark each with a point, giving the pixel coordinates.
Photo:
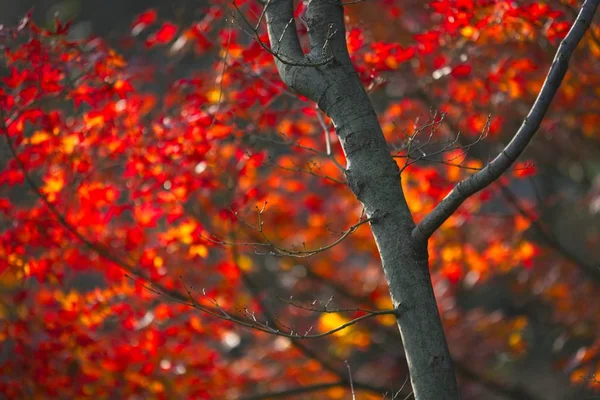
(330, 154)
(513, 150)
(351, 381)
(277, 250)
(426, 155)
(308, 170)
(254, 323)
(292, 54)
(222, 76)
(325, 307)
(347, 3)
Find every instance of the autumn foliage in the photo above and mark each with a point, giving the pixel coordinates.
(156, 216)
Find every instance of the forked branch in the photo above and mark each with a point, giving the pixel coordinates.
(276, 42)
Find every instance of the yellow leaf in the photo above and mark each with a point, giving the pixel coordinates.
(234, 52)
(69, 143)
(451, 253)
(469, 32)
(119, 84)
(39, 137)
(214, 95)
(526, 250)
(53, 184)
(116, 60)
(497, 252)
(391, 62)
(332, 321)
(180, 192)
(245, 263)
(184, 231)
(27, 269)
(198, 250)
(93, 121)
(515, 340)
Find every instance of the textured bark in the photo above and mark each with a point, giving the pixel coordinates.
(326, 76)
(373, 177)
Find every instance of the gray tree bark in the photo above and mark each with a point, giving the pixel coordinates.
(327, 76)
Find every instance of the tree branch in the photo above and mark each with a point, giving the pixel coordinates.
(293, 55)
(282, 30)
(466, 188)
(299, 72)
(374, 178)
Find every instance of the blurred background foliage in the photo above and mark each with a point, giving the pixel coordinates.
(517, 274)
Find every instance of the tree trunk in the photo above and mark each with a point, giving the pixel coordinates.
(374, 178)
(326, 75)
